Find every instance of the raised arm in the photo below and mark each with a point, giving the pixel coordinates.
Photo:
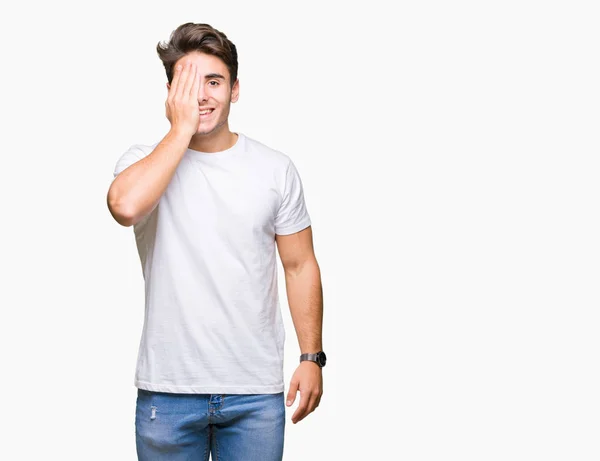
(136, 191)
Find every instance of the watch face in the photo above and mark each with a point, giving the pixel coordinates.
(322, 359)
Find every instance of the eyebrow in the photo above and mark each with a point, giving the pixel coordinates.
(213, 75)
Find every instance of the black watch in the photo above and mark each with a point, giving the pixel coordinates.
(319, 358)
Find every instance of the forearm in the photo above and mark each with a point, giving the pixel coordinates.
(136, 190)
(305, 298)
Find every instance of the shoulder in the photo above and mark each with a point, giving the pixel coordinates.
(132, 154)
(263, 152)
(140, 150)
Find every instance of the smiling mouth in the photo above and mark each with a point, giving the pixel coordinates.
(206, 111)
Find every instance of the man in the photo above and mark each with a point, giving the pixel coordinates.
(208, 206)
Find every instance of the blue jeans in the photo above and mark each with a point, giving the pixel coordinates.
(230, 427)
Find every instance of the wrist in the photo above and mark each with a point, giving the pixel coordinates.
(310, 363)
(177, 134)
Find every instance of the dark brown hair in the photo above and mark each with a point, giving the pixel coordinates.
(198, 37)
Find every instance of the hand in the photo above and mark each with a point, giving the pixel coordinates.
(182, 103)
(308, 379)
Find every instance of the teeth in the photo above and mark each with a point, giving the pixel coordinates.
(206, 111)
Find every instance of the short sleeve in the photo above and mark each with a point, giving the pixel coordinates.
(132, 155)
(292, 215)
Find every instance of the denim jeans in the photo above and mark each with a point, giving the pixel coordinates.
(229, 427)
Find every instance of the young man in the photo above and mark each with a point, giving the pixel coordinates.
(208, 206)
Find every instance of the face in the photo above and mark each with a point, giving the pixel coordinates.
(214, 92)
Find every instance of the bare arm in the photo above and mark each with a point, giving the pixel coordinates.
(303, 286)
(136, 191)
(305, 297)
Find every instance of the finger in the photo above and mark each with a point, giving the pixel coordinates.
(319, 395)
(312, 404)
(189, 82)
(195, 85)
(302, 413)
(175, 80)
(291, 395)
(302, 408)
(182, 80)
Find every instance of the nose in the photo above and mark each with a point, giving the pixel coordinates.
(202, 94)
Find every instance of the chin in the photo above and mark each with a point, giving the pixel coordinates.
(205, 131)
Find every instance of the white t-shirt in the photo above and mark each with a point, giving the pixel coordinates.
(212, 319)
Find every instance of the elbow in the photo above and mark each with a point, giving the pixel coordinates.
(121, 213)
(297, 267)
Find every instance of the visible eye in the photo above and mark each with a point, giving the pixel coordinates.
(213, 81)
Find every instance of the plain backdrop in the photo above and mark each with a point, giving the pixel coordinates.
(450, 159)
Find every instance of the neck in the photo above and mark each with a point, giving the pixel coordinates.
(215, 141)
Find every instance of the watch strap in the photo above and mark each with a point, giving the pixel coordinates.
(311, 357)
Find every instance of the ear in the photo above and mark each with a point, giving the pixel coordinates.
(168, 86)
(235, 91)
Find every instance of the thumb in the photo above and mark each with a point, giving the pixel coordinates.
(291, 395)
